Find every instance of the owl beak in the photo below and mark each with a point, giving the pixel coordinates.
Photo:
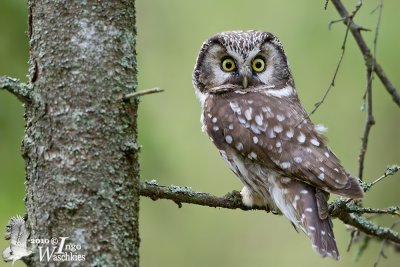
(245, 82)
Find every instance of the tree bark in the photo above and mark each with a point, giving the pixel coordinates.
(82, 171)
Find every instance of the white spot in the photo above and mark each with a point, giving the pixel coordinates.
(278, 128)
(308, 210)
(230, 126)
(336, 170)
(311, 228)
(297, 159)
(301, 138)
(304, 192)
(280, 117)
(209, 115)
(296, 198)
(278, 144)
(255, 129)
(303, 216)
(283, 92)
(228, 139)
(320, 128)
(286, 180)
(266, 109)
(212, 140)
(314, 142)
(242, 120)
(289, 133)
(322, 169)
(239, 146)
(248, 113)
(252, 155)
(259, 119)
(285, 165)
(321, 176)
(271, 134)
(235, 107)
(322, 232)
(215, 128)
(269, 115)
(255, 139)
(214, 120)
(326, 154)
(250, 101)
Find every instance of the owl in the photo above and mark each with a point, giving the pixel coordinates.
(252, 114)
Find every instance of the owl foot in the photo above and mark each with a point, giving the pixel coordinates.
(250, 199)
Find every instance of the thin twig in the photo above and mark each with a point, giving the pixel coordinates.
(356, 32)
(389, 171)
(370, 121)
(332, 83)
(142, 93)
(343, 49)
(353, 235)
(233, 200)
(21, 90)
(383, 244)
(368, 124)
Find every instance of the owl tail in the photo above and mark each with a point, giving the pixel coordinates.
(306, 207)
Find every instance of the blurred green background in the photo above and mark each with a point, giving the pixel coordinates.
(175, 151)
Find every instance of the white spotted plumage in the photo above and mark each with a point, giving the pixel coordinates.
(255, 119)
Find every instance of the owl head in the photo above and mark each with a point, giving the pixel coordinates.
(241, 60)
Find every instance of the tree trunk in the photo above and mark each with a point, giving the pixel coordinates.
(82, 171)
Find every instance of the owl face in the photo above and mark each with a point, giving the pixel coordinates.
(241, 59)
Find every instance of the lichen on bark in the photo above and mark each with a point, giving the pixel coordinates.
(82, 172)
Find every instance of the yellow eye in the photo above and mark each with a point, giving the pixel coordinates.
(228, 64)
(258, 64)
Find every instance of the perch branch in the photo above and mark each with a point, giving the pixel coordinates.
(178, 194)
(21, 90)
(340, 208)
(368, 57)
(142, 93)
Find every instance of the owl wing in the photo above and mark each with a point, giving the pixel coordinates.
(18, 233)
(275, 132)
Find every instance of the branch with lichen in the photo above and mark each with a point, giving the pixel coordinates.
(21, 90)
(341, 208)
